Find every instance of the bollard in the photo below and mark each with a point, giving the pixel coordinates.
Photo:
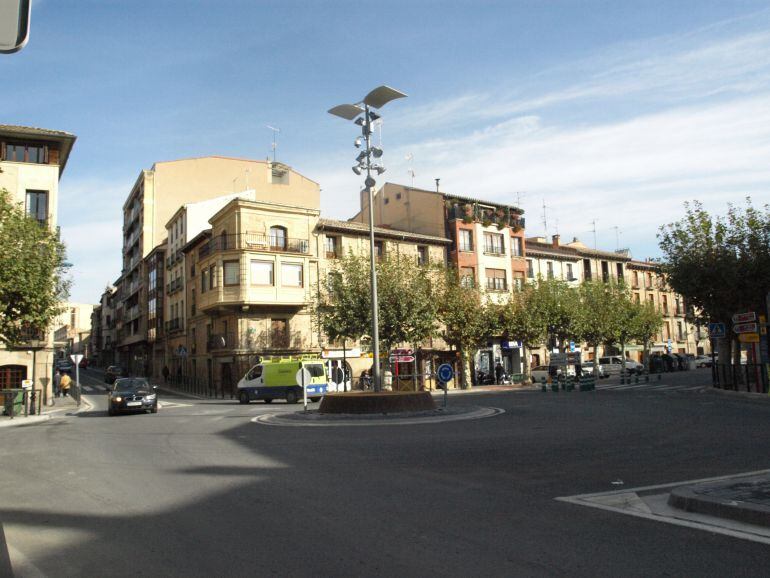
(646, 378)
(543, 386)
(555, 387)
(660, 376)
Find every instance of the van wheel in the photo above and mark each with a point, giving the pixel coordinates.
(268, 400)
(243, 397)
(314, 399)
(291, 396)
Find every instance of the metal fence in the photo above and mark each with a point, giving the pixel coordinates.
(751, 377)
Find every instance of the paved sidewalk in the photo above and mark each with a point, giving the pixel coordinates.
(62, 406)
(743, 498)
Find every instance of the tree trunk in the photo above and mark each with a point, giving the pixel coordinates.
(596, 362)
(466, 369)
(623, 358)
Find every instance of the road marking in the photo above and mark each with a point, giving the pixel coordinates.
(274, 419)
(631, 502)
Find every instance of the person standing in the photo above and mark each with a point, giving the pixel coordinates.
(166, 373)
(66, 382)
(57, 383)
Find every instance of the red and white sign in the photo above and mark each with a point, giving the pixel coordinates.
(744, 318)
(402, 356)
(746, 328)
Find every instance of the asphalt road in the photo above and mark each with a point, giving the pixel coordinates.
(200, 490)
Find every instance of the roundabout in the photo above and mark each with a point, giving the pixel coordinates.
(314, 418)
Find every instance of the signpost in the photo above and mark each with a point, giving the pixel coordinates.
(76, 357)
(670, 346)
(303, 377)
(746, 328)
(744, 317)
(445, 373)
(717, 331)
(748, 337)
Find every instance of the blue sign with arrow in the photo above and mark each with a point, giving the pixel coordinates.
(445, 373)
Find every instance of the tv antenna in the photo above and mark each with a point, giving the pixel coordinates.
(275, 139)
(594, 232)
(618, 232)
(545, 220)
(409, 158)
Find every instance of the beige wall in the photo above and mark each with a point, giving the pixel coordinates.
(18, 177)
(406, 209)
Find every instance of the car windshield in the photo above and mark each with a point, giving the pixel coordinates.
(130, 384)
(316, 370)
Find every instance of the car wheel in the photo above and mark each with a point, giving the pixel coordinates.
(291, 396)
(243, 397)
(315, 399)
(268, 400)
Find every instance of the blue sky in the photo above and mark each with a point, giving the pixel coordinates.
(614, 111)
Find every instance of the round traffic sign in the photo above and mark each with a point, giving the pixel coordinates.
(445, 373)
(303, 377)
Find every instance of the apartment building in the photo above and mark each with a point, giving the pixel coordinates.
(648, 284)
(155, 197)
(487, 247)
(32, 161)
(553, 261)
(101, 350)
(72, 329)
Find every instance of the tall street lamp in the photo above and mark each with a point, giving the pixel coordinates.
(363, 116)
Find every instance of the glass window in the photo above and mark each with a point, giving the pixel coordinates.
(212, 277)
(262, 273)
(516, 246)
(422, 255)
(530, 269)
(204, 280)
(466, 240)
(549, 269)
(231, 273)
(493, 243)
(291, 275)
(331, 247)
(278, 237)
(467, 277)
(379, 249)
(570, 275)
(496, 279)
(37, 205)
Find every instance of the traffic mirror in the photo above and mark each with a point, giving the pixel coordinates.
(14, 24)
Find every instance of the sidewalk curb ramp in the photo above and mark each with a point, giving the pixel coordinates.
(745, 499)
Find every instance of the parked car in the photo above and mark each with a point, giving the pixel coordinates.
(587, 370)
(113, 372)
(543, 371)
(613, 365)
(83, 363)
(132, 394)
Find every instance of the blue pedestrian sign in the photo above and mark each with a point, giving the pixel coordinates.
(716, 330)
(445, 373)
(572, 346)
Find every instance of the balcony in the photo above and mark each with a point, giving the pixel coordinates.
(176, 324)
(470, 213)
(130, 313)
(494, 250)
(255, 242)
(174, 286)
(262, 341)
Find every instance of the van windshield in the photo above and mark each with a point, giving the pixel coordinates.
(316, 370)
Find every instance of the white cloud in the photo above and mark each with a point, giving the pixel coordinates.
(645, 130)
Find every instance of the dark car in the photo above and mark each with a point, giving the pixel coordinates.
(83, 363)
(132, 394)
(114, 372)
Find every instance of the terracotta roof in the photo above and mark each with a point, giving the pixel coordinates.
(33, 131)
(547, 249)
(362, 229)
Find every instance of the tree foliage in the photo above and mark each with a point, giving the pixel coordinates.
(32, 273)
(467, 317)
(407, 305)
(719, 264)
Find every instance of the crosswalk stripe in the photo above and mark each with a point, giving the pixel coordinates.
(648, 387)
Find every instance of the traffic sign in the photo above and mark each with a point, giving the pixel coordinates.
(401, 358)
(76, 357)
(26, 383)
(558, 359)
(572, 346)
(748, 337)
(746, 328)
(716, 330)
(744, 317)
(670, 346)
(445, 373)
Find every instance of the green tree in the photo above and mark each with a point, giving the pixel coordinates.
(521, 319)
(467, 318)
(597, 316)
(721, 264)
(645, 325)
(407, 307)
(32, 273)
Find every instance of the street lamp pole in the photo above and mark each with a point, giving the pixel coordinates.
(377, 98)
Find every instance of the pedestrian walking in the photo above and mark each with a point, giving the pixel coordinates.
(57, 383)
(166, 373)
(66, 382)
(499, 371)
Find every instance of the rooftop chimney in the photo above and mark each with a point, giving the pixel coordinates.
(555, 240)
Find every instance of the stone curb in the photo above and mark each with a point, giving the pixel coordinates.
(706, 499)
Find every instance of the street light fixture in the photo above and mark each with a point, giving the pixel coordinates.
(363, 116)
